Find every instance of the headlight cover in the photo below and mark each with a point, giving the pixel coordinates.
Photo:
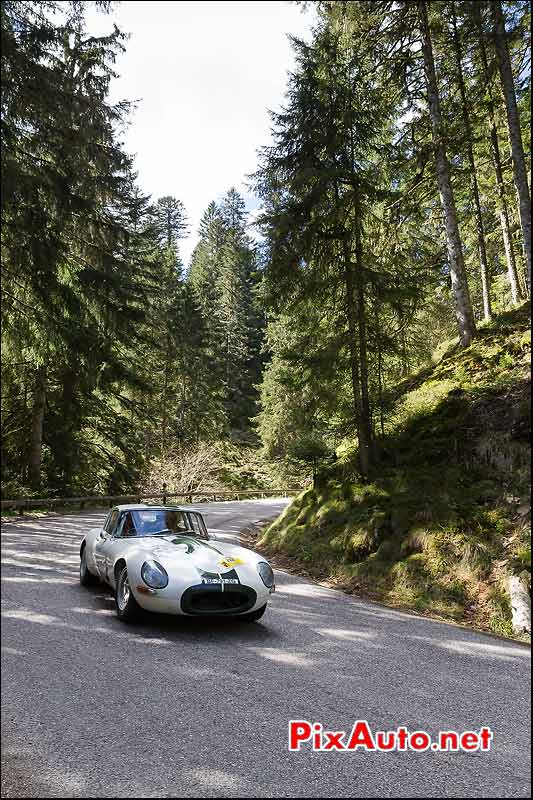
(154, 575)
(267, 576)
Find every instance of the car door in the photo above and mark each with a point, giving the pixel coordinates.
(104, 541)
(116, 544)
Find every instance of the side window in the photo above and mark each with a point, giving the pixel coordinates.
(111, 522)
(126, 526)
(197, 524)
(120, 526)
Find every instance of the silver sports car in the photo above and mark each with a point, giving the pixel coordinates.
(162, 559)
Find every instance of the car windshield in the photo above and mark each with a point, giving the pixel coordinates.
(159, 521)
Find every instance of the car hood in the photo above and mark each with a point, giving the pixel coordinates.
(210, 555)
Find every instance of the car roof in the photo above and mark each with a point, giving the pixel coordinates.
(142, 506)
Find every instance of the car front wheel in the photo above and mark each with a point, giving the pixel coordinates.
(127, 607)
(86, 576)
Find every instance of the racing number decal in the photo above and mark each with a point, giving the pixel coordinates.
(231, 562)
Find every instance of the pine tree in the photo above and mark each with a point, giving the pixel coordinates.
(463, 305)
(204, 270)
(515, 133)
(222, 276)
(69, 304)
(503, 212)
(170, 220)
(465, 113)
(315, 193)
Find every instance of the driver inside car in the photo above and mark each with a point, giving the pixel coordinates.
(175, 522)
(128, 528)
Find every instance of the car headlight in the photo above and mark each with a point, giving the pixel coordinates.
(154, 575)
(267, 576)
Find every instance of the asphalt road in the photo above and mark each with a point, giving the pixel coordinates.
(185, 708)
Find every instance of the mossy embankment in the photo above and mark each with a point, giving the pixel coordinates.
(446, 515)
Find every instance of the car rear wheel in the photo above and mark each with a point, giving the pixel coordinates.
(86, 576)
(254, 615)
(128, 609)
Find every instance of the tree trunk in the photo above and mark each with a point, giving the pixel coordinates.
(351, 314)
(355, 315)
(355, 282)
(67, 455)
(36, 431)
(380, 372)
(164, 403)
(503, 212)
(515, 134)
(365, 422)
(461, 294)
(404, 360)
(484, 267)
(169, 229)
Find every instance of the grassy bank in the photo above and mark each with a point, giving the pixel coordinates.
(446, 516)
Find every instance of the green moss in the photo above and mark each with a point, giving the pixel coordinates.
(500, 617)
(522, 559)
(525, 340)
(420, 403)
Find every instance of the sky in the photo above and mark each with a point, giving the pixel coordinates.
(204, 75)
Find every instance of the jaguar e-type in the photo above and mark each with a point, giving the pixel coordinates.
(162, 559)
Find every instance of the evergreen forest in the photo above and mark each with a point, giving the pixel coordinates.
(393, 225)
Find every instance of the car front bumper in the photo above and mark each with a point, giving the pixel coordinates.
(202, 599)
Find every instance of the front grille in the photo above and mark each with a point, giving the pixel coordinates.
(204, 599)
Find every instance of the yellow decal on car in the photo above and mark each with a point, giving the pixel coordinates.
(231, 562)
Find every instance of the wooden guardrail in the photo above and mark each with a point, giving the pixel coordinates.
(191, 496)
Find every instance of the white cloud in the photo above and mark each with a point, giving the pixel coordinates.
(205, 74)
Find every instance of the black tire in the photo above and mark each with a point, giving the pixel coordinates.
(254, 615)
(86, 576)
(127, 607)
